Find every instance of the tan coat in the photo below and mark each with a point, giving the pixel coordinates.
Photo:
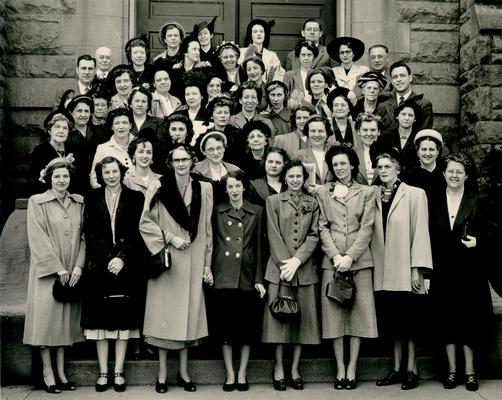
(56, 244)
(175, 307)
(406, 244)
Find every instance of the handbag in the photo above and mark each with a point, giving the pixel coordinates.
(285, 306)
(66, 293)
(159, 262)
(342, 289)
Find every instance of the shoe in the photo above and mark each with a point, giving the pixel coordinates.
(119, 387)
(297, 383)
(391, 378)
(471, 382)
(279, 385)
(410, 381)
(228, 387)
(242, 387)
(350, 384)
(102, 387)
(187, 386)
(161, 387)
(52, 389)
(451, 381)
(340, 384)
(67, 386)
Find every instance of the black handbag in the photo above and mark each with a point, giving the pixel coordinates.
(159, 262)
(285, 306)
(66, 293)
(342, 289)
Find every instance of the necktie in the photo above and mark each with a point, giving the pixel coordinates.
(401, 100)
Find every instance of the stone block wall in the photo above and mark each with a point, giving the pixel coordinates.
(3, 45)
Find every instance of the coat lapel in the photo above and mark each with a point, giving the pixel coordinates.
(401, 191)
(464, 211)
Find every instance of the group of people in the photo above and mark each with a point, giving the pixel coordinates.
(246, 181)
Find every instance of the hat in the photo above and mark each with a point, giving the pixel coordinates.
(228, 44)
(57, 115)
(377, 150)
(143, 38)
(113, 72)
(149, 134)
(206, 137)
(81, 98)
(428, 133)
(339, 91)
(163, 29)
(412, 103)
(258, 125)
(355, 44)
(267, 27)
(372, 76)
(204, 24)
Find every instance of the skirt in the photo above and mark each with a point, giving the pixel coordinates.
(171, 344)
(304, 330)
(359, 320)
(101, 334)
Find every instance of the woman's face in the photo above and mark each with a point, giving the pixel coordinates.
(59, 132)
(276, 98)
(370, 91)
(162, 82)
(294, 178)
(81, 113)
(346, 54)
(406, 118)
(387, 171)
(60, 180)
(178, 131)
(214, 87)
(235, 189)
(427, 152)
(214, 150)
(249, 100)
(173, 38)
(256, 140)
(181, 162)
(306, 58)
(342, 167)
(455, 175)
(254, 71)
(100, 108)
(317, 85)
(221, 115)
(317, 134)
(228, 58)
(340, 107)
(111, 175)
(257, 34)
(143, 155)
(274, 164)
(123, 84)
(138, 56)
(193, 52)
(301, 118)
(204, 37)
(368, 132)
(139, 104)
(193, 96)
(121, 128)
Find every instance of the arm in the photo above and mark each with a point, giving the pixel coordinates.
(328, 244)
(365, 231)
(260, 248)
(97, 158)
(288, 63)
(307, 248)
(278, 249)
(421, 256)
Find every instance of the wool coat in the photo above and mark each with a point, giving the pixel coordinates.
(56, 243)
(155, 123)
(175, 305)
(406, 243)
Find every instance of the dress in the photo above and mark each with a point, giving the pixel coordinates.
(293, 232)
(175, 314)
(345, 227)
(56, 243)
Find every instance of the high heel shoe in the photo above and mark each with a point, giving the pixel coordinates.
(102, 387)
(161, 387)
(52, 389)
(297, 383)
(279, 384)
(187, 386)
(119, 387)
(67, 386)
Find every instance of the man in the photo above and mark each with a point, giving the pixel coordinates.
(312, 32)
(103, 56)
(86, 68)
(378, 57)
(401, 77)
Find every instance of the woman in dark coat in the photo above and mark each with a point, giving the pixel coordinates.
(460, 289)
(112, 304)
(238, 269)
(256, 135)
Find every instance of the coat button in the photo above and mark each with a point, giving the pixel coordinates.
(67, 233)
(295, 230)
(295, 239)
(227, 253)
(237, 255)
(229, 223)
(296, 222)
(65, 216)
(239, 224)
(239, 239)
(227, 239)
(296, 214)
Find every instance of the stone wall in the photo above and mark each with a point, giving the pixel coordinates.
(3, 45)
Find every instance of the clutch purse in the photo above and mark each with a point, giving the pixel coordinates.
(342, 289)
(66, 293)
(159, 262)
(285, 306)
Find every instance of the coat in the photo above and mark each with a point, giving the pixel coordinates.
(346, 225)
(406, 244)
(135, 182)
(155, 123)
(239, 120)
(293, 231)
(322, 60)
(259, 191)
(238, 246)
(56, 243)
(158, 110)
(349, 80)
(293, 80)
(306, 156)
(291, 142)
(175, 305)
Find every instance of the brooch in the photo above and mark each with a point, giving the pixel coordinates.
(306, 208)
(339, 191)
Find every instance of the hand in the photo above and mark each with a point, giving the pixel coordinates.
(289, 267)
(75, 276)
(336, 261)
(470, 242)
(345, 263)
(202, 64)
(208, 276)
(250, 51)
(180, 243)
(64, 276)
(115, 265)
(427, 284)
(312, 189)
(415, 280)
(261, 289)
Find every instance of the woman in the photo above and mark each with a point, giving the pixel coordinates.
(371, 84)
(318, 131)
(460, 289)
(170, 34)
(270, 183)
(112, 294)
(228, 53)
(251, 98)
(57, 252)
(292, 225)
(195, 98)
(205, 32)
(296, 79)
(178, 212)
(347, 50)
(317, 84)
(346, 203)
(368, 127)
(138, 55)
(122, 80)
(257, 41)
(140, 102)
(276, 95)
(238, 268)
(141, 153)
(179, 130)
(214, 87)
(257, 135)
(401, 251)
(163, 102)
(341, 107)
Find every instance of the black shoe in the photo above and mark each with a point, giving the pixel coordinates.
(52, 389)
(391, 378)
(68, 385)
(451, 381)
(340, 384)
(119, 387)
(187, 386)
(279, 385)
(410, 381)
(297, 383)
(243, 387)
(104, 386)
(228, 387)
(471, 382)
(161, 387)
(350, 384)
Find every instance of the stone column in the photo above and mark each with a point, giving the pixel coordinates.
(3, 45)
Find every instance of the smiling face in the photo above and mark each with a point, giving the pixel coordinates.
(177, 131)
(317, 134)
(103, 57)
(143, 155)
(370, 91)
(257, 34)
(406, 117)
(173, 38)
(138, 56)
(221, 116)
(342, 167)
(81, 113)
(368, 132)
(100, 108)
(181, 162)
(254, 71)
(427, 152)
(228, 58)
(387, 171)
(162, 82)
(401, 80)
(274, 164)
(340, 107)
(317, 85)
(256, 140)
(193, 97)
(59, 132)
(294, 178)
(301, 117)
(378, 59)
(235, 190)
(306, 58)
(214, 87)
(249, 100)
(214, 150)
(345, 53)
(276, 98)
(139, 104)
(312, 32)
(455, 175)
(60, 180)
(193, 52)
(121, 127)
(111, 175)
(205, 37)
(123, 84)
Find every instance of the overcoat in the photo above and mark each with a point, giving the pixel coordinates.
(306, 156)
(155, 123)
(158, 110)
(349, 80)
(56, 243)
(260, 190)
(291, 142)
(322, 60)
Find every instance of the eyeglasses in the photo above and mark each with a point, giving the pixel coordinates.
(180, 160)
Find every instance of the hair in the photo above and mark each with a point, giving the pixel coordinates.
(299, 108)
(269, 87)
(345, 42)
(277, 150)
(176, 117)
(180, 146)
(392, 159)
(256, 60)
(174, 26)
(143, 90)
(138, 42)
(382, 46)
(291, 164)
(215, 136)
(86, 57)
(316, 71)
(308, 45)
(248, 85)
(256, 125)
(199, 85)
(50, 169)
(108, 160)
(186, 42)
(219, 101)
(101, 94)
(131, 149)
(118, 112)
(227, 45)
(318, 118)
(398, 64)
(83, 99)
(119, 71)
(438, 144)
(331, 99)
(312, 20)
(351, 155)
(240, 176)
(368, 117)
(266, 28)
(59, 117)
(464, 159)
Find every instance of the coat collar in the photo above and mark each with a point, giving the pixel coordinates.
(49, 195)
(227, 207)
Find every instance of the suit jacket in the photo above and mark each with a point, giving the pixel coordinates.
(157, 124)
(306, 156)
(157, 110)
(322, 60)
(293, 231)
(293, 80)
(259, 191)
(290, 143)
(362, 176)
(390, 139)
(239, 120)
(349, 80)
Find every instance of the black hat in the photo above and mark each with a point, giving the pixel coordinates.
(113, 71)
(372, 76)
(256, 124)
(149, 134)
(339, 91)
(81, 98)
(59, 112)
(355, 44)
(411, 102)
(204, 24)
(143, 38)
(377, 149)
(267, 27)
